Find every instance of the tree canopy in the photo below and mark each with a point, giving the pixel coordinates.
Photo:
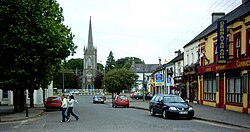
(110, 63)
(117, 80)
(33, 43)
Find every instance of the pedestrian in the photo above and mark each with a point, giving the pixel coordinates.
(64, 108)
(71, 103)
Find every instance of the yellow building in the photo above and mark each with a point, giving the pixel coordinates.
(224, 64)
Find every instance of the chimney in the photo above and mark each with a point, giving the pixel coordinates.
(217, 15)
(159, 61)
(177, 53)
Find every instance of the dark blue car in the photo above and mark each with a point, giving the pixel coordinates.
(170, 106)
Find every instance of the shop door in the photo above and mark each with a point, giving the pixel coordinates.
(221, 93)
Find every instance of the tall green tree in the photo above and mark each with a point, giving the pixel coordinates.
(117, 80)
(33, 41)
(127, 61)
(110, 63)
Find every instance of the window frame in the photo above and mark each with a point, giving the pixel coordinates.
(215, 52)
(234, 97)
(248, 42)
(209, 87)
(237, 47)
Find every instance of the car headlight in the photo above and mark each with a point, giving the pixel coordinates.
(190, 108)
(172, 108)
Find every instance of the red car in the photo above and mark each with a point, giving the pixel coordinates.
(53, 102)
(120, 100)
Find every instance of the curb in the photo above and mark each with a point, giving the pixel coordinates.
(197, 118)
(26, 118)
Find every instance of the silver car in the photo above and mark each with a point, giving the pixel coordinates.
(98, 99)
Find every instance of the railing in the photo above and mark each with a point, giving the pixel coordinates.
(210, 96)
(234, 97)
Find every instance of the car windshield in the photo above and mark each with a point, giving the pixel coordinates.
(172, 99)
(122, 97)
(53, 98)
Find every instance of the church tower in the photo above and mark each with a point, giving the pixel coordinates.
(89, 62)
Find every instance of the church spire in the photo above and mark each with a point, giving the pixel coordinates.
(90, 39)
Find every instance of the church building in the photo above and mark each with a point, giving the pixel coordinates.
(89, 62)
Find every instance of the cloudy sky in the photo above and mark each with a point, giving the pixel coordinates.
(147, 29)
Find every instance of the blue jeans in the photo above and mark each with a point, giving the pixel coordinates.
(63, 114)
(70, 112)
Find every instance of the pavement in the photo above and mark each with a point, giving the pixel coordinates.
(202, 112)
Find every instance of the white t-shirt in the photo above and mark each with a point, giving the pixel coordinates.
(64, 103)
(71, 103)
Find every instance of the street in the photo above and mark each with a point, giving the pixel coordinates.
(104, 118)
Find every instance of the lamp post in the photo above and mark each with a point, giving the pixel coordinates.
(143, 81)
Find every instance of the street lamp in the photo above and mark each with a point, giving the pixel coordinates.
(143, 81)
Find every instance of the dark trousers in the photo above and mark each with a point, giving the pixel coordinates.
(70, 112)
(64, 115)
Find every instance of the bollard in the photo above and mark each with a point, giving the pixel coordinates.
(27, 111)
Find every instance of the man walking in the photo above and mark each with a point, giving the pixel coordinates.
(64, 108)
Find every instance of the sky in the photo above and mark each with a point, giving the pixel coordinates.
(146, 29)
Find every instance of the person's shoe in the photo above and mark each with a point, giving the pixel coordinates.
(68, 119)
(62, 121)
(77, 119)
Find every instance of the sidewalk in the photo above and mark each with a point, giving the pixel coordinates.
(7, 114)
(202, 112)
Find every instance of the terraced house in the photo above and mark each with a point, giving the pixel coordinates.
(224, 61)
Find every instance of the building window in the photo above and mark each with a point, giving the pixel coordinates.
(188, 59)
(234, 90)
(249, 88)
(215, 52)
(237, 45)
(202, 56)
(192, 58)
(248, 42)
(209, 87)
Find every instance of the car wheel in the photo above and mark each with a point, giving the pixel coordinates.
(128, 106)
(164, 114)
(152, 113)
(112, 105)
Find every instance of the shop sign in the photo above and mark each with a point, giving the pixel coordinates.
(222, 41)
(158, 83)
(158, 77)
(243, 63)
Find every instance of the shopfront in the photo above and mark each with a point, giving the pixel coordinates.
(226, 86)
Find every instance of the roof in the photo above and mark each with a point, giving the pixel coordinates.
(236, 14)
(149, 68)
(177, 58)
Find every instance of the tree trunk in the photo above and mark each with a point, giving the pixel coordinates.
(31, 92)
(18, 100)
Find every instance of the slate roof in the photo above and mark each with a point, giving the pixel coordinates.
(149, 68)
(177, 58)
(236, 14)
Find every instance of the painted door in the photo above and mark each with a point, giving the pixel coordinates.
(221, 93)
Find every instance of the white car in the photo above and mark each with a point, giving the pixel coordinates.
(98, 99)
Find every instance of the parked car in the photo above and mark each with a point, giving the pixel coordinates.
(137, 95)
(120, 100)
(170, 106)
(98, 99)
(148, 96)
(53, 102)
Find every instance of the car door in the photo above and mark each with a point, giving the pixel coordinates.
(159, 104)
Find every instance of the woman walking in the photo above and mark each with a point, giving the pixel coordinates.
(70, 107)
(64, 108)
